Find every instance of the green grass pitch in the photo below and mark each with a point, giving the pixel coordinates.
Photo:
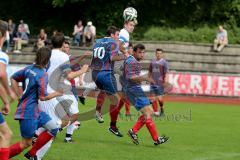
(197, 132)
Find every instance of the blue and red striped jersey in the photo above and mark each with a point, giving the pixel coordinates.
(132, 68)
(158, 70)
(103, 51)
(34, 81)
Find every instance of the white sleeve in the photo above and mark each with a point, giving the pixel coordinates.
(124, 36)
(4, 58)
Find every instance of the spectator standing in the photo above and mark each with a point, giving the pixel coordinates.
(221, 39)
(78, 32)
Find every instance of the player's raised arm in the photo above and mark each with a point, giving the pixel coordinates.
(115, 56)
(71, 74)
(78, 59)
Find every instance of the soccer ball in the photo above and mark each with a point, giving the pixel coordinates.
(130, 14)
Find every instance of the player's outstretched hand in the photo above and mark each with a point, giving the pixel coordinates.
(87, 53)
(6, 109)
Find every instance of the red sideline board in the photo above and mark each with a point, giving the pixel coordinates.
(205, 84)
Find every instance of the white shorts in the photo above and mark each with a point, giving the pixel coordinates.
(69, 103)
(60, 107)
(54, 110)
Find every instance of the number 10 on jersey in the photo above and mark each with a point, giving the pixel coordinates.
(99, 52)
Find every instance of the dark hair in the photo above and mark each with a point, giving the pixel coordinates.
(42, 57)
(140, 46)
(159, 49)
(111, 30)
(58, 40)
(130, 44)
(67, 42)
(3, 28)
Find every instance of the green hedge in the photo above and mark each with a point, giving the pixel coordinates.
(204, 34)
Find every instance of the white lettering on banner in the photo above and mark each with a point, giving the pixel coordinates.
(223, 83)
(173, 79)
(236, 85)
(209, 83)
(195, 82)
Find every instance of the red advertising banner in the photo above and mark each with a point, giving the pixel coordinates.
(204, 84)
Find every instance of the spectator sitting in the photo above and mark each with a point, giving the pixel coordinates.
(78, 32)
(11, 29)
(22, 38)
(221, 39)
(24, 26)
(42, 39)
(89, 34)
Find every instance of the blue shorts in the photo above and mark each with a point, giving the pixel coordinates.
(1, 118)
(156, 90)
(29, 126)
(137, 97)
(105, 80)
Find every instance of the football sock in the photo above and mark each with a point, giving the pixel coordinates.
(4, 153)
(42, 151)
(100, 99)
(138, 125)
(114, 115)
(155, 106)
(43, 138)
(127, 106)
(120, 104)
(161, 105)
(15, 149)
(152, 129)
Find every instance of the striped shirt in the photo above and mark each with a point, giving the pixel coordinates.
(34, 82)
(132, 68)
(158, 70)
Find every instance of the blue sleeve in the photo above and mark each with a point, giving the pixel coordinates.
(19, 76)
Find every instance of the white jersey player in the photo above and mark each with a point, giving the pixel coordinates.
(59, 73)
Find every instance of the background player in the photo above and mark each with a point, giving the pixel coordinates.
(158, 71)
(137, 97)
